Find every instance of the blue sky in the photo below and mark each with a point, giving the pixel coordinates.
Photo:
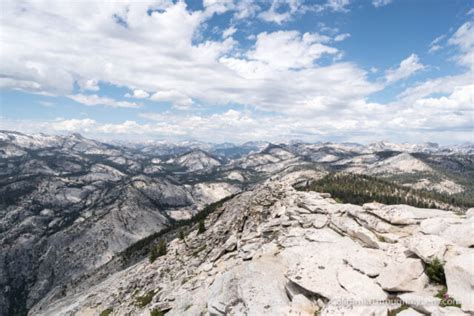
(330, 70)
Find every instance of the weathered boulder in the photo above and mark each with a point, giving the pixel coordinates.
(354, 230)
(230, 244)
(224, 295)
(406, 275)
(427, 247)
(461, 234)
(366, 260)
(459, 273)
(421, 302)
(359, 285)
(319, 221)
(185, 303)
(253, 288)
(436, 225)
(314, 265)
(372, 222)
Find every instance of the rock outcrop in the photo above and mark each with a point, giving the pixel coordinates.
(277, 251)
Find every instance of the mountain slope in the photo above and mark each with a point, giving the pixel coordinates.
(69, 204)
(277, 251)
(196, 160)
(359, 189)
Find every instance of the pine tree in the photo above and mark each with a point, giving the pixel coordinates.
(182, 235)
(153, 254)
(162, 249)
(157, 251)
(202, 227)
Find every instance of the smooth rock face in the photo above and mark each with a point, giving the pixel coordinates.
(461, 234)
(427, 247)
(230, 244)
(436, 226)
(422, 302)
(460, 279)
(254, 288)
(224, 296)
(353, 229)
(316, 268)
(359, 285)
(277, 251)
(406, 275)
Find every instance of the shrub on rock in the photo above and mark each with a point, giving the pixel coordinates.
(435, 271)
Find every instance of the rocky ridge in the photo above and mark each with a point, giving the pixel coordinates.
(277, 251)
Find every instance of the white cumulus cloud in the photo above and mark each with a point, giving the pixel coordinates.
(178, 99)
(289, 49)
(138, 94)
(464, 40)
(94, 99)
(380, 3)
(407, 68)
(341, 37)
(229, 32)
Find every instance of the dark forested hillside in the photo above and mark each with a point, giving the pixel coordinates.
(360, 189)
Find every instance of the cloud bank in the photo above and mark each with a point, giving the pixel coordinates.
(286, 84)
